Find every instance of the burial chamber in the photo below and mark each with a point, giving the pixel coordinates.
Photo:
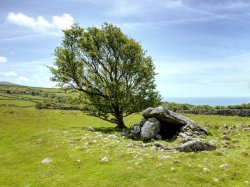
(167, 124)
(169, 130)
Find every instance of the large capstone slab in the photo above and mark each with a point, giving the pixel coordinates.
(167, 116)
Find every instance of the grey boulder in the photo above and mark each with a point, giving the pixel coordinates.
(150, 129)
(195, 146)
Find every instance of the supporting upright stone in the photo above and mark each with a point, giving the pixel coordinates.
(150, 129)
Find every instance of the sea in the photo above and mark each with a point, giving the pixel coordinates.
(212, 101)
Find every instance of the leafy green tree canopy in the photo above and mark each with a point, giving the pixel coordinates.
(109, 68)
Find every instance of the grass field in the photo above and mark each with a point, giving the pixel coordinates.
(28, 136)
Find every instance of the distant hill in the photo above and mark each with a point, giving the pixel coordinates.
(23, 88)
(8, 83)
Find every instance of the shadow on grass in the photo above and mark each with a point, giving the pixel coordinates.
(107, 130)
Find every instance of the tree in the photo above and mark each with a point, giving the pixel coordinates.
(110, 69)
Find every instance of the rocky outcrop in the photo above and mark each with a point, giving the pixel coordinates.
(189, 132)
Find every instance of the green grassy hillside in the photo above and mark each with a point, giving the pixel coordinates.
(28, 136)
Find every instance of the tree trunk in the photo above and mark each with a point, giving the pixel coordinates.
(120, 122)
(119, 117)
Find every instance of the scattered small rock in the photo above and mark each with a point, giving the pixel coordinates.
(224, 166)
(183, 135)
(176, 161)
(76, 139)
(130, 145)
(225, 142)
(159, 166)
(226, 132)
(144, 145)
(104, 159)
(112, 136)
(137, 129)
(153, 147)
(158, 136)
(164, 156)
(244, 152)
(157, 144)
(137, 163)
(172, 169)
(91, 129)
(99, 136)
(213, 142)
(46, 161)
(206, 170)
(225, 126)
(216, 180)
(89, 151)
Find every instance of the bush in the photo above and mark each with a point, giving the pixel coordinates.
(39, 105)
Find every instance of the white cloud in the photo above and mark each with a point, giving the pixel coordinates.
(63, 22)
(3, 59)
(22, 78)
(40, 24)
(8, 74)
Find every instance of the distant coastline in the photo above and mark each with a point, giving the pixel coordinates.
(212, 101)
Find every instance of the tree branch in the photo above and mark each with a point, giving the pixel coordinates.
(105, 119)
(128, 114)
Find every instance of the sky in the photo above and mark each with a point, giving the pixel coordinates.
(200, 48)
